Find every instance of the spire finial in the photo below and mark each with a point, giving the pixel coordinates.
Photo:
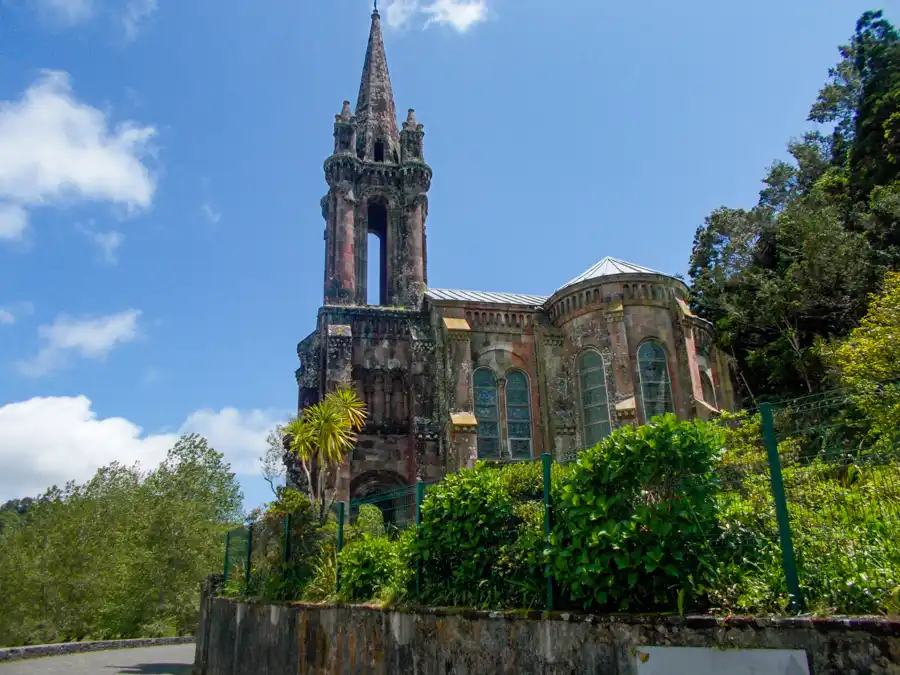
(376, 6)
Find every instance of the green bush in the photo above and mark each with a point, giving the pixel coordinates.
(466, 520)
(635, 514)
(368, 567)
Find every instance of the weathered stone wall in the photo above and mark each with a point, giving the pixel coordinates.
(249, 639)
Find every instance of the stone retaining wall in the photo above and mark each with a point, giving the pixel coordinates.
(261, 639)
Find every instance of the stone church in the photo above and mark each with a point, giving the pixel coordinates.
(453, 376)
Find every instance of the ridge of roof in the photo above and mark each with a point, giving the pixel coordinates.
(608, 267)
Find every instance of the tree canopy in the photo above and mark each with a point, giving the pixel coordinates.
(121, 555)
(782, 279)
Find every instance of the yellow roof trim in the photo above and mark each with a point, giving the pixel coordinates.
(464, 419)
(626, 404)
(451, 323)
(684, 308)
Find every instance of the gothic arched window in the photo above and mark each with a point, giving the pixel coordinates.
(486, 413)
(518, 415)
(656, 387)
(594, 399)
(709, 391)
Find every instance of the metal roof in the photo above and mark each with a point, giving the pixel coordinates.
(609, 267)
(481, 296)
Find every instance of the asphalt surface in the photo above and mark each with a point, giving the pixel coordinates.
(168, 660)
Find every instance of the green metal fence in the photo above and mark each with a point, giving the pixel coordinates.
(840, 487)
(808, 502)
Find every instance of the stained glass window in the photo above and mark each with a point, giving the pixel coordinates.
(594, 400)
(518, 415)
(486, 414)
(656, 387)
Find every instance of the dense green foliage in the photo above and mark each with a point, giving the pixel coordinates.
(121, 555)
(636, 514)
(670, 516)
(466, 520)
(376, 567)
(792, 273)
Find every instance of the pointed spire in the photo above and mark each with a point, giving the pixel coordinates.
(375, 103)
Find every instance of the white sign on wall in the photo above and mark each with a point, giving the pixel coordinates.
(707, 661)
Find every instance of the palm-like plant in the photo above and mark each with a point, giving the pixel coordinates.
(320, 436)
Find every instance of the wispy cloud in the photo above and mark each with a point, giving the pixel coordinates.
(108, 243)
(211, 214)
(67, 12)
(54, 148)
(10, 314)
(87, 337)
(137, 12)
(460, 14)
(13, 221)
(128, 15)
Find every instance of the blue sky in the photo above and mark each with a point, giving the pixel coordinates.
(161, 246)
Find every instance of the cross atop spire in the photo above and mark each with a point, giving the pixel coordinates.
(375, 110)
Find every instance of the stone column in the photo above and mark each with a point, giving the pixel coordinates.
(338, 371)
(459, 345)
(463, 441)
(622, 394)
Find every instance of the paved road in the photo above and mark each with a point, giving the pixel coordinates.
(169, 660)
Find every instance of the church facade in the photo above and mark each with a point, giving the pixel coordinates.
(452, 376)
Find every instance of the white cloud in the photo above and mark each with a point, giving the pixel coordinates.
(211, 214)
(13, 221)
(240, 436)
(51, 440)
(461, 14)
(6, 317)
(399, 12)
(107, 242)
(90, 338)
(137, 12)
(54, 148)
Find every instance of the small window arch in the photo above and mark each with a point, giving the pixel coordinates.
(486, 414)
(709, 391)
(379, 151)
(594, 398)
(656, 386)
(518, 415)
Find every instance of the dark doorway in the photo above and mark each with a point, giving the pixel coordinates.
(376, 261)
(379, 151)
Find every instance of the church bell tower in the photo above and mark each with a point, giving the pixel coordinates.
(377, 184)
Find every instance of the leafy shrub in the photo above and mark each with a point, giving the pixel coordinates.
(520, 563)
(466, 519)
(634, 516)
(368, 566)
(323, 584)
(370, 521)
(524, 481)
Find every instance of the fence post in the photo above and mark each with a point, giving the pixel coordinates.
(420, 495)
(340, 545)
(547, 461)
(249, 557)
(227, 544)
(788, 560)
